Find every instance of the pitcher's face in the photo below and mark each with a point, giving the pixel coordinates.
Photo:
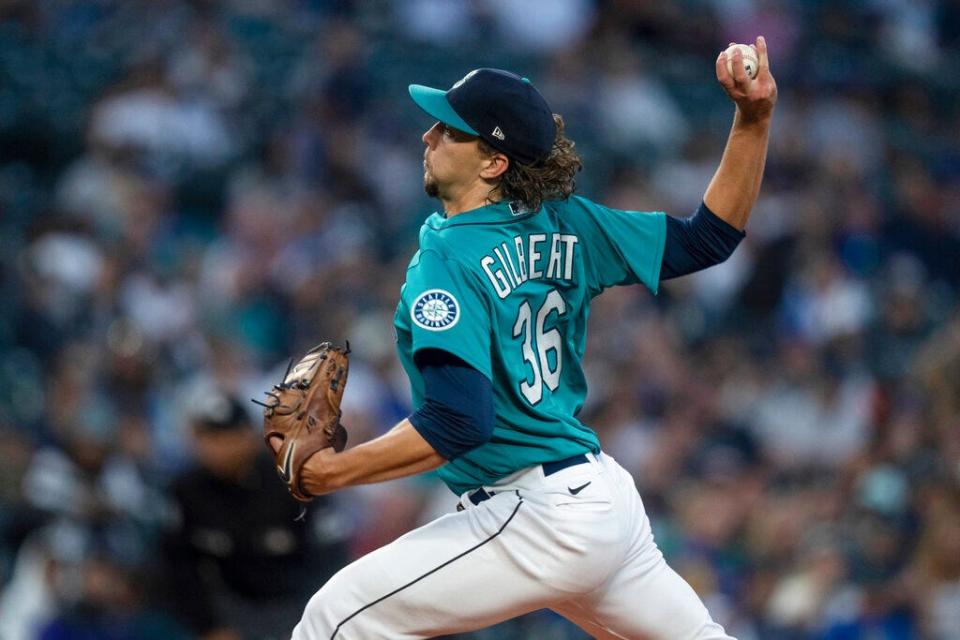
(451, 161)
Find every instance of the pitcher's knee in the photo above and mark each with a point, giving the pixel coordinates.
(710, 630)
(320, 618)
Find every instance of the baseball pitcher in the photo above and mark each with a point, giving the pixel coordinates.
(491, 328)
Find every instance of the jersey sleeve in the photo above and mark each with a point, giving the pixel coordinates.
(447, 310)
(622, 247)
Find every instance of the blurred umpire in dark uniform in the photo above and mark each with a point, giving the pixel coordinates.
(239, 565)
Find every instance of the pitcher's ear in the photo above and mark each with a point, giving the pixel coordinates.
(497, 164)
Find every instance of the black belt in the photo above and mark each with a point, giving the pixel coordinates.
(549, 468)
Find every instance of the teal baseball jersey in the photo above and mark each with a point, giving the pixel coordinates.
(509, 293)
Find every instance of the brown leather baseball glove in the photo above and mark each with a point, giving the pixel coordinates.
(302, 414)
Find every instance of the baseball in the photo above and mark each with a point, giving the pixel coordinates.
(750, 61)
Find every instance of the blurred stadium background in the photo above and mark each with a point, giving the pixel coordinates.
(192, 191)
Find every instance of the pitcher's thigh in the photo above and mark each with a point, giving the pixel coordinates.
(455, 574)
(652, 604)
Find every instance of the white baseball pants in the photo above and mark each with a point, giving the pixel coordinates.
(538, 542)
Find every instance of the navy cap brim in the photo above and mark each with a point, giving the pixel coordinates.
(435, 103)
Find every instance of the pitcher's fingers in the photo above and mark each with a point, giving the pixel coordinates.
(739, 72)
(762, 54)
(722, 74)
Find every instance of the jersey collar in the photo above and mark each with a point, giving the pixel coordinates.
(498, 212)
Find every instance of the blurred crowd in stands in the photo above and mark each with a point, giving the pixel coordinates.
(191, 191)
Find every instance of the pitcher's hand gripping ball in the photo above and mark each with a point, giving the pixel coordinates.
(751, 62)
(302, 414)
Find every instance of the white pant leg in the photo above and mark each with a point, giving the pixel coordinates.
(464, 571)
(644, 599)
(577, 541)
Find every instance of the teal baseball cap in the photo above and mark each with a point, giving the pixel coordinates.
(434, 102)
(505, 110)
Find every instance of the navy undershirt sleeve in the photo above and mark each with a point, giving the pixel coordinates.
(697, 242)
(457, 412)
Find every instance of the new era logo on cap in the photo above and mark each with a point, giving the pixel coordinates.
(498, 134)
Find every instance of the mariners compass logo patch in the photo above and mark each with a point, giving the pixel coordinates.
(435, 310)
